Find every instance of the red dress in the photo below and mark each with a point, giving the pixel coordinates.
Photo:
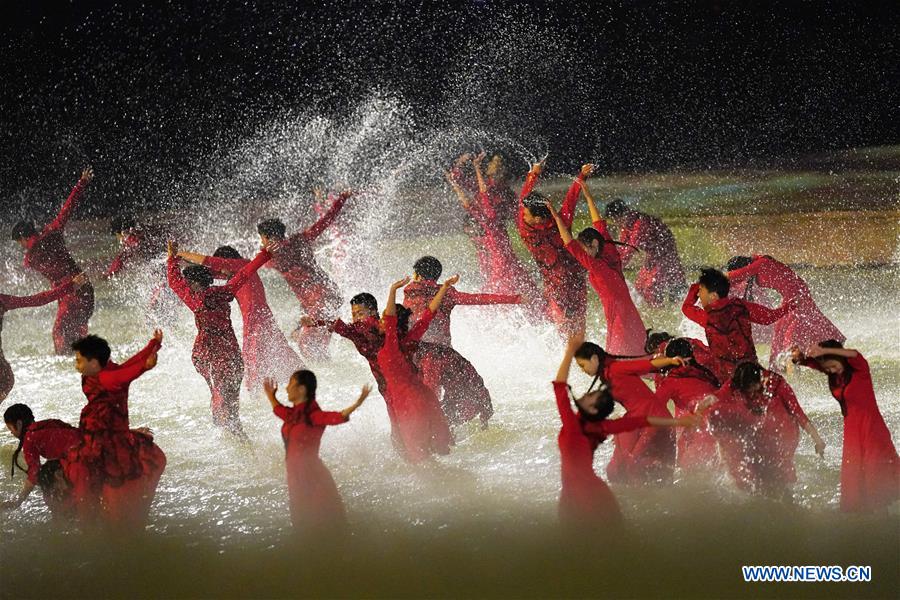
(585, 499)
(7, 379)
(625, 331)
(686, 386)
(565, 291)
(661, 277)
(314, 497)
(421, 427)
(317, 292)
(870, 468)
(727, 323)
(265, 350)
(216, 354)
(639, 456)
(50, 439)
(47, 254)
(114, 469)
(805, 325)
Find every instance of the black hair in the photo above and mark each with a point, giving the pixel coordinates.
(365, 299)
(121, 224)
(18, 412)
(93, 346)
(714, 281)
(428, 267)
(835, 380)
(590, 235)
(403, 316)
(198, 274)
(537, 205)
(746, 374)
(588, 350)
(654, 339)
(615, 209)
(680, 347)
(46, 478)
(605, 403)
(227, 252)
(272, 228)
(737, 262)
(23, 230)
(307, 379)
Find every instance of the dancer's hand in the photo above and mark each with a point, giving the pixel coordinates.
(272, 246)
(270, 387)
(704, 404)
(150, 362)
(815, 351)
(79, 280)
(575, 340)
(402, 283)
(145, 431)
(479, 157)
(87, 174)
(463, 159)
(172, 248)
(536, 168)
(587, 170)
(452, 280)
(307, 321)
(158, 335)
(364, 393)
(820, 447)
(796, 354)
(552, 209)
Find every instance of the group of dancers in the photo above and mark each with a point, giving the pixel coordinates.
(731, 414)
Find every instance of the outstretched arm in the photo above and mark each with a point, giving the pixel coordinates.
(363, 394)
(690, 309)
(530, 181)
(177, 281)
(750, 270)
(134, 367)
(560, 384)
(240, 278)
(42, 298)
(328, 218)
(442, 291)
(463, 298)
(270, 387)
(71, 202)
(764, 315)
(479, 177)
(192, 257)
(567, 211)
(464, 199)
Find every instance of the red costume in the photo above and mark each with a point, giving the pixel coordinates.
(686, 386)
(314, 497)
(661, 277)
(50, 439)
(870, 467)
(805, 325)
(727, 323)
(318, 294)
(585, 499)
(47, 254)
(265, 350)
(114, 467)
(625, 331)
(7, 379)
(216, 354)
(639, 456)
(758, 436)
(565, 292)
(420, 425)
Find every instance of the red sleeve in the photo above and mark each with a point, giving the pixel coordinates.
(629, 236)
(564, 405)
(327, 417)
(180, 286)
(746, 272)
(118, 262)
(631, 367)
(621, 425)
(13, 302)
(812, 364)
(763, 315)
(859, 363)
(241, 277)
(462, 298)
(391, 340)
(789, 399)
(66, 211)
(32, 458)
(690, 309)
(665, 390)
(530, 181)
(120, 376)
(579, 253)
(230, 265)
(281, 411)
(326, 220)
(567, 211)
(415, 332)
(487, 212)
(141, 357)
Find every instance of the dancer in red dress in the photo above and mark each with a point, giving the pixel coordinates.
(757, 421)
(661, 277)
(216, 354)
(870, 467)
(318, 294)
(50, 439)
(805, 325)
(497, 188)
(639, 456)
(565, 290)
(421, 426)
(7, 303)
(585, 499)
(314, 498)
(114, 471)
(727, 321)
(265, 351)
(595, 251)
(46, 253)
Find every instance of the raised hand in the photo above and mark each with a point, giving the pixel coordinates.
(552, 209)
(479, 157)
(172, 248)
(158, 335)
(452, 280)
(364, 393)
(307, 321)
(151, 361)
(87, 174)
(79, 280)
(587, 170)
(536, 168)
(401, 283)
(270, 387)
(272, 246)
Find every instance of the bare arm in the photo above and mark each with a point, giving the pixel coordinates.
(575, 341)
(592, 206)
(439, 297)
(390, 307)
(270, 387)
(564, 232)
(362, 396)
(479, 177)
(192, 257)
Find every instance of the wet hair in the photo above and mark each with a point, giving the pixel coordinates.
(590, 235)
(615, 209)
(198, 274)
(746, 375)
(403, 316)
(536, 205)
(654, 339)
(737, 262)
(93, 346)
(272, 228)
(588, 350)
(121, 224)
(428, 267)
(18, 412)
(834, 344)
(605, 403)
(307, 379)
(680, 347)
(47, 475)
(23, 230)
(714, 281)
(365, 299)
(226, 252)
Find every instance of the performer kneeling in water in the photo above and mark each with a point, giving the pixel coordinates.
(315, 500)
(585, 500)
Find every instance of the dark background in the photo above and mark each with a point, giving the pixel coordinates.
(147, 91)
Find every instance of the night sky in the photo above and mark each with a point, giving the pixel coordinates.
(151, 90)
